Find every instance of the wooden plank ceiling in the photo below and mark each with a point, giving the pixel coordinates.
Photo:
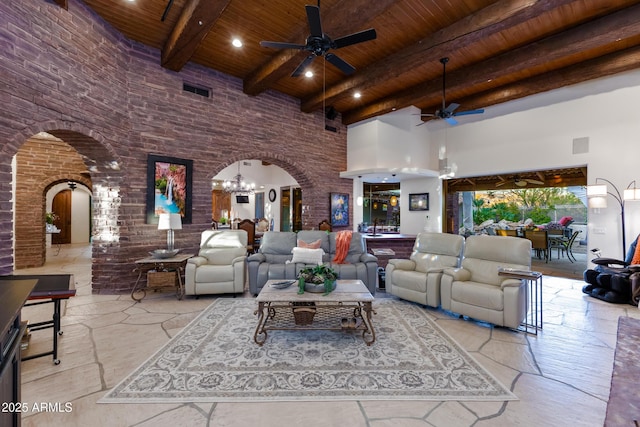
(499, 50)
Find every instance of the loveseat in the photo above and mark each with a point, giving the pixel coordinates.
(274, 258)
(478, 291)
(220, 266)
(417, 279)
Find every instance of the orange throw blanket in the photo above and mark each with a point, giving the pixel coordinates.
(343, 241)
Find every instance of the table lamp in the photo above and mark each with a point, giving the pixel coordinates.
(170, 222)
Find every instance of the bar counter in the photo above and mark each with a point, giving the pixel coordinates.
(401, 244)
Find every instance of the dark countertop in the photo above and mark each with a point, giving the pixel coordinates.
(390, 236)
(13, 294)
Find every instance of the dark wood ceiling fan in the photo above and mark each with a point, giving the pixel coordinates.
(318, 43)
(447, 113)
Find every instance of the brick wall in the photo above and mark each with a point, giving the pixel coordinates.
(71, 75)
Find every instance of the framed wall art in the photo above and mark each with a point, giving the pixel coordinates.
(339, 209)
(419, 202)
(169, 187)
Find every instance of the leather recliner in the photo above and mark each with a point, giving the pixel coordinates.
(477, 290)
(611, 279)
(220, 265)
(417, 279)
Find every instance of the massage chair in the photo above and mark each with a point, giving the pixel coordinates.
(614, 280)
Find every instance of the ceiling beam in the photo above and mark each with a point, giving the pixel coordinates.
(604, 31)
(62, 3)
(482, 24)
(195, 22)
(341, 20)
(606, 65)
(552, 178)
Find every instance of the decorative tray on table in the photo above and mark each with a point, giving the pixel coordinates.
(283, 284)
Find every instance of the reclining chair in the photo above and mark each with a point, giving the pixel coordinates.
(611, 279)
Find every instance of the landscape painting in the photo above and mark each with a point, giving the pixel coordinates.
(168, 187)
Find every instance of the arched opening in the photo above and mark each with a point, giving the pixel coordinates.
(59, 170)
(270, 199)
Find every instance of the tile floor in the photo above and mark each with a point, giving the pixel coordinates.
(562, 376)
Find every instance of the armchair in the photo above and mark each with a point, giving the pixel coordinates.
(476, 290)
(417, 279)
(220, 265)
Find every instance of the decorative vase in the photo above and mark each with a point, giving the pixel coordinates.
(318, 287)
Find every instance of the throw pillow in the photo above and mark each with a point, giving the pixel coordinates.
(311, 245)
(307, 256)
(565, 220)
(636, 255)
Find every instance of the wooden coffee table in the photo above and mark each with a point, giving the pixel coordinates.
(348, 307)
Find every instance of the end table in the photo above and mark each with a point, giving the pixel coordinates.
(174, 264)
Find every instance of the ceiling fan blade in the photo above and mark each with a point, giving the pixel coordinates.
(534, 181)
(451, 121)
(279, 45)
(466, 113)
(300, 69)
(451, 108)
(340, 63)
(313, 16)
(355, 38)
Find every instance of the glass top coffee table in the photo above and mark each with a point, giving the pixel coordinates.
(347, 308)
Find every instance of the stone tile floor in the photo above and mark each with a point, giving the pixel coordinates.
(561, 376)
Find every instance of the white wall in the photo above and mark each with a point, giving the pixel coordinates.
(542, 137)
(392, 141)
(413, 222)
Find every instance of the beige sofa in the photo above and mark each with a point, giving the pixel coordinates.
(220, 267)
(476, 290)
(417, 279)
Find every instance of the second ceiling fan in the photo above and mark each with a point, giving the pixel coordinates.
(447, 113)
(318, 43)
(520, 182)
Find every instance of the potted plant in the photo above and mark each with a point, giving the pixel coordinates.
(320, 278)
(50, 217)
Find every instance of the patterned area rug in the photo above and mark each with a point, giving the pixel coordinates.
(214, 359)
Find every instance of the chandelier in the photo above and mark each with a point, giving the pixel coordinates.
(238, 185)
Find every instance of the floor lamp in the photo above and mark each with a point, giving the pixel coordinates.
(597, 198)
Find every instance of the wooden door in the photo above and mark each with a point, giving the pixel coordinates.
(285, 209)
(62, 208)
(296, 207)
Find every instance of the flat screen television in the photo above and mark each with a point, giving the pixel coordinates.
(242, 199)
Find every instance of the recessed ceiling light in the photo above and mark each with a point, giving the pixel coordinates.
(308, 74)
(357, 95)
(237, 42)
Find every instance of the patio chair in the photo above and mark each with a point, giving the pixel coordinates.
(539, 242)
(565, 246)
